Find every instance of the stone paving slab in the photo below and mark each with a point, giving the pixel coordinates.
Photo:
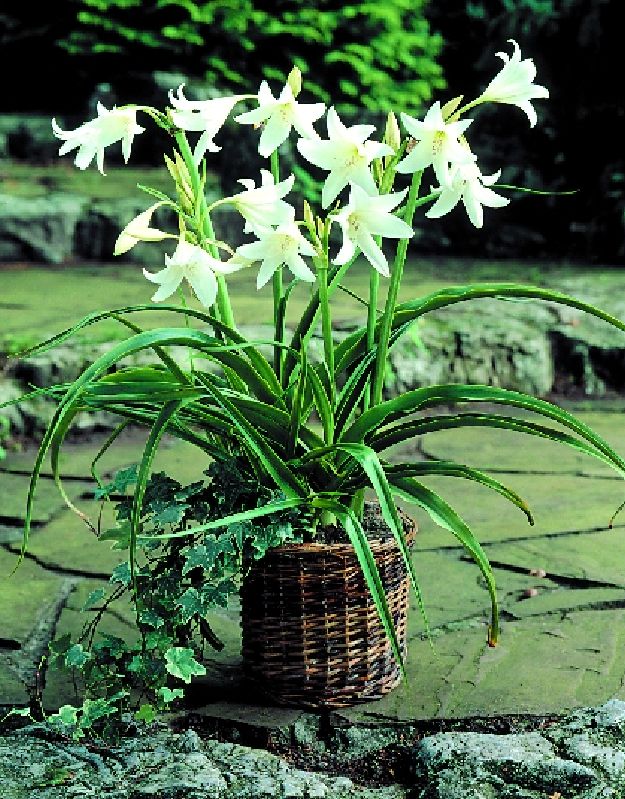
(509, 451)
(562, 633)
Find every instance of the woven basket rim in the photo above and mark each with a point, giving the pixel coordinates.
(376, 544)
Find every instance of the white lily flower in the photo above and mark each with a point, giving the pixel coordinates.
(92, 137)
(192, 263)
(437, 145)
(365, 217)
(469, 185)
(284, 245)
(347, 154)
(281, 116)
(208, 116)
(262, 206)
(514, 84)
(138, 229)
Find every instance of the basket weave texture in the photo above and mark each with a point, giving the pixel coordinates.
(312, 636)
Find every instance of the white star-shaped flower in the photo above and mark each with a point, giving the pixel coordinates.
(469, 185)
(92, 137)
(365, 217)
(280, 116)
(437, 145)
(514, 84)
(138, 229)
(262, 206)
(192, 263)
(284, 245)
(347, 154)
(207, 116)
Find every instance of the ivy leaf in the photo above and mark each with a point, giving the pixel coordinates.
(67, 715)
(136, 665)
(58, 648)
(205, 555)
(146, 713)
(269, 536)
(122, 480)
(179, 662)
(157, 640)
(112, 645)
(189, 491)
(94, 597)
(94, 709)
(169, 514)
(168, 695)
(75, 657)
(120, 536)
(190, 603)
(150, 618)
(121, 574)
(19, 711)
(213, 595)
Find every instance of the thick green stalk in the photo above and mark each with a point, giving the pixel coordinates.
(223, 299)
(278, 318)
(326, 318)
(393, 293)
(372, 318)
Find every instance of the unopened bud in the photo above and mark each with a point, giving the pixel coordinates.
(295, 81)
(309, 217)
(392, 134)
(171, 167)
(450, 106)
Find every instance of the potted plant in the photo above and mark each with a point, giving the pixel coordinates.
(295, 442)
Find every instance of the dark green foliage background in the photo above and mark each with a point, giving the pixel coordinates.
(372, 56)
(357, 55)
(579, 142)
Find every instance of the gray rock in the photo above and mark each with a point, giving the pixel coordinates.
(39, 228)
(27, 137)
(163, 765)
(101, 223)
(521, 765)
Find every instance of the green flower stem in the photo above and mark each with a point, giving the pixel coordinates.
(357, 502)
(278, 318)
(223, 299)
(183, 302)
(393, 292)
(326, 318)
(372, 318)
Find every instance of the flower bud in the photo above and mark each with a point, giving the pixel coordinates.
(309, 217)
(295, 81)
(392, 134)
(450, 107)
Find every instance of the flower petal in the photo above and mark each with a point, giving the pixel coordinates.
(274, 133)
(447, 200)
(300, 269)
(372, 252)
(267, 268)
(204, 284)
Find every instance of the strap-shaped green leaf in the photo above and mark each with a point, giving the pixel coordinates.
(233, 518)
(321, 401)
(431, 424)
(354, 346)
(284, 478)
(260, 363)
(447, 469)
(430, 396)
(445, 516)
(149, 451)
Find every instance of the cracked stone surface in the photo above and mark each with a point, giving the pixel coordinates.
(560, 583)
(164, 766)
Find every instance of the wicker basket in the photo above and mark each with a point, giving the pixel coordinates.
(311, 632)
